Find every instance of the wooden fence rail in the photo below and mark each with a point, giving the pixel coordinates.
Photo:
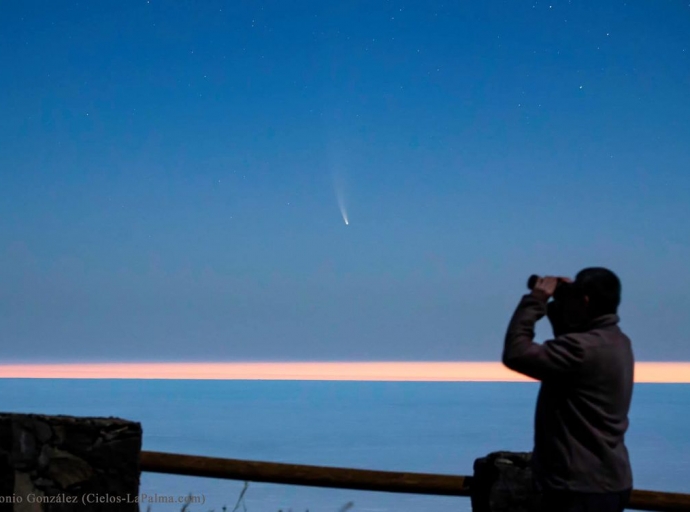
(356, 479)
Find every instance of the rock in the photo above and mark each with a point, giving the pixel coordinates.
(65, 469)
(23, 486)
(43, 431)
(65, 456)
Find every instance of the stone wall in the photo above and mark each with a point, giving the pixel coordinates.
(502, 482)
(64, 463)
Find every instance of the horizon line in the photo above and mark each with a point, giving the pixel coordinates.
(668, 372)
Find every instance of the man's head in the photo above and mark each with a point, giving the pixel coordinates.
(601, 289)
(595, 292)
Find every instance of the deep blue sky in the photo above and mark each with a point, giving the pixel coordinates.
(167, 174)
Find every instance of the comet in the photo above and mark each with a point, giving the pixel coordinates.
(341, 205)
(340, 196)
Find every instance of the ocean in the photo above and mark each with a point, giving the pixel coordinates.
(397, 426)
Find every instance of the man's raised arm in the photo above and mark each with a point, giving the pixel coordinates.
(540, 361)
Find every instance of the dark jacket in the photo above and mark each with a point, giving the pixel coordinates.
(584, 399)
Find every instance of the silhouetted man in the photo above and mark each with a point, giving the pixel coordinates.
(580, 461)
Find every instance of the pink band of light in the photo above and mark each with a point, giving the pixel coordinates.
(650, 372)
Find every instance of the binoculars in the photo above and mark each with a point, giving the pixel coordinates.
(532, 282)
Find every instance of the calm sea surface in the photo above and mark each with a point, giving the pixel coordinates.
(424, 427)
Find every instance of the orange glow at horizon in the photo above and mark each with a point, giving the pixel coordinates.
(647, 372)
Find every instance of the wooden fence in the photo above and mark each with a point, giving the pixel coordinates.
(357, 479)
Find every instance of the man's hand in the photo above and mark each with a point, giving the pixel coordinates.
(546, 286)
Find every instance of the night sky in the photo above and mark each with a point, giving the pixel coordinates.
(175, 176)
